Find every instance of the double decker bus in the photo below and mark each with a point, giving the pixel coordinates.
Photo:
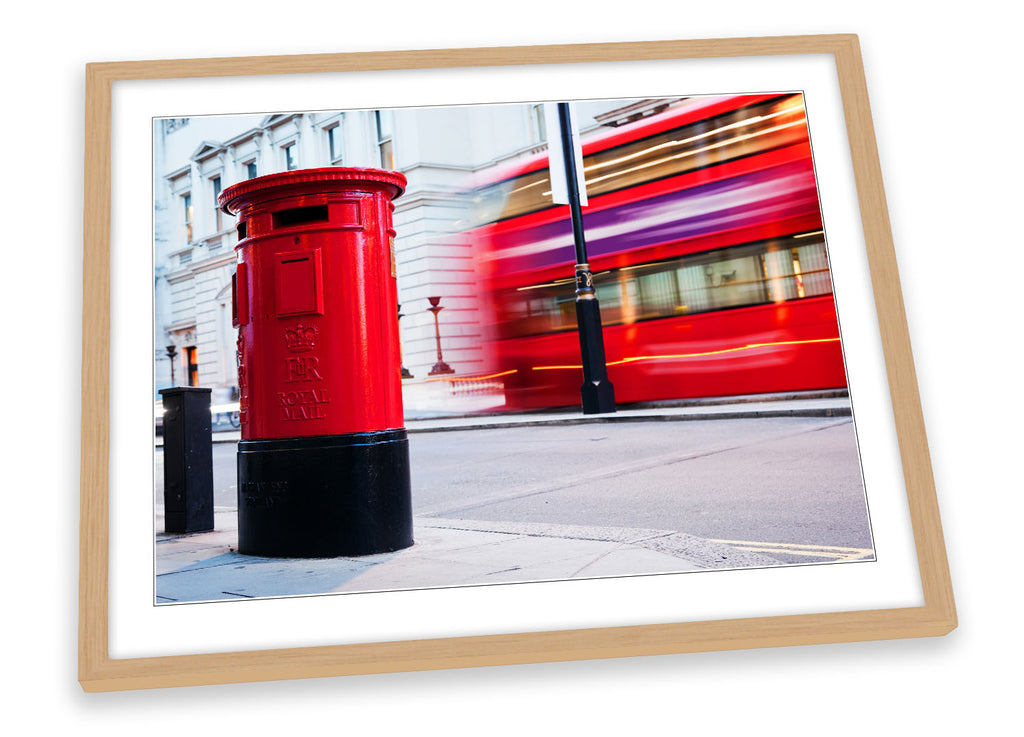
(705, 238)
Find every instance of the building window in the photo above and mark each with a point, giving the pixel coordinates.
(192, 366)
(218, 221)
(384, 135)
(290, 161)
(250, 169)
(187, 203)
(334, 143)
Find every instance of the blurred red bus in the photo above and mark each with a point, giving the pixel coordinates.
(704, 234)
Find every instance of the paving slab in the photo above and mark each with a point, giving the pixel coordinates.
(206, 566)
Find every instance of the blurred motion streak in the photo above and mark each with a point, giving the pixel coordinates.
(706, 241)
(631, 359)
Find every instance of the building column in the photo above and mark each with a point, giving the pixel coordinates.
(265, 155)
(307, 142)
(200, 208)
(229, 169)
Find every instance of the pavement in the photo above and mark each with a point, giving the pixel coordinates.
(206, 566)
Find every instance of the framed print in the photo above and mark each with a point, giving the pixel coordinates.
(740, 252)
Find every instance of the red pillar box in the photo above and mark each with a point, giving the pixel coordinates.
(323, 463)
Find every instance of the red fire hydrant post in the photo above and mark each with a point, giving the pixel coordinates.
(323, 461)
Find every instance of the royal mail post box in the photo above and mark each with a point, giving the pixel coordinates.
(323, 462)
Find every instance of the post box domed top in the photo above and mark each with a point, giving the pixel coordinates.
(308, 181)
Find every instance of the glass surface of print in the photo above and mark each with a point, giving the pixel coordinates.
(708, 255)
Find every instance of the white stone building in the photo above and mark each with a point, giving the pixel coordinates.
(437, 149)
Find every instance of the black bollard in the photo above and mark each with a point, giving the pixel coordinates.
(188, 460)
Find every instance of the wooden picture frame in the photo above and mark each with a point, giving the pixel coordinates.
(98, 671)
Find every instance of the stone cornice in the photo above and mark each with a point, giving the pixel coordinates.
(189, 271)
(179, 172)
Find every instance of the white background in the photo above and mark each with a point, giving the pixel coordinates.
(947, 121)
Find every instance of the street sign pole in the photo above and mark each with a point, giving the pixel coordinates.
(597, 393)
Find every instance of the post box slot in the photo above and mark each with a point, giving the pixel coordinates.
(300, 216)
(241, 230)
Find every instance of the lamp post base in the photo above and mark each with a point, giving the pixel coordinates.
(440, 368)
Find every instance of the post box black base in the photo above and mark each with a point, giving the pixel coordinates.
(324, 496)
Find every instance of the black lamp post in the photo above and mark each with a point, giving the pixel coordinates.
(596, 392)
(172, 352)
(440, 367)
